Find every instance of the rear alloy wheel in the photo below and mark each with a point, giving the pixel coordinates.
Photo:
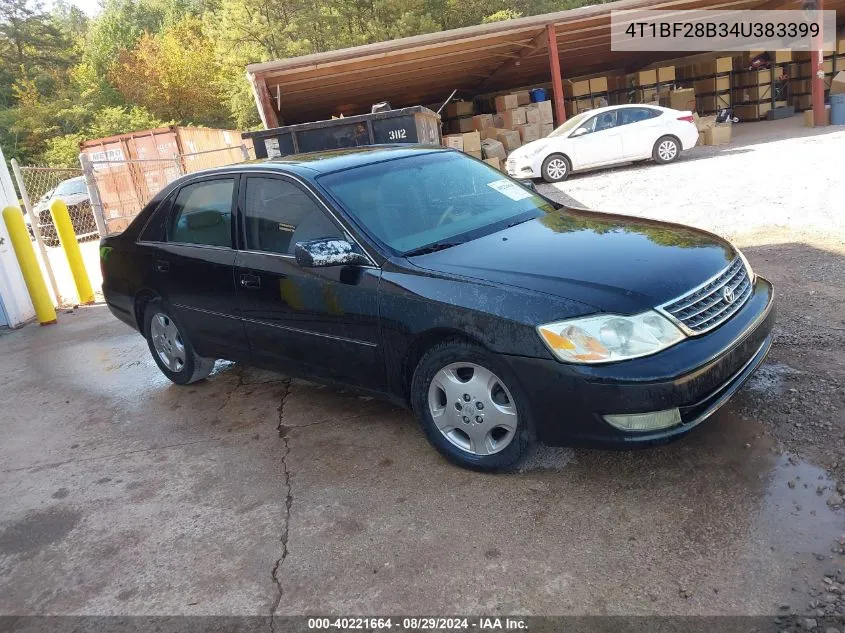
(170, 347)
(556, 168)
(468, 410)
(666, 150)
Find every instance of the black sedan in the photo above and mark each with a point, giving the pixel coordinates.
(430, 278)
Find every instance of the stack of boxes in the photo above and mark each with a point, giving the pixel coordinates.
(459, 117)
(517, 121)
(711, 82)
(801, 73)
(585, 94)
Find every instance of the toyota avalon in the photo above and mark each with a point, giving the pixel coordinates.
(427, 277)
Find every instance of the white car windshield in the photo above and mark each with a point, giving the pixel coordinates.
(570, 124)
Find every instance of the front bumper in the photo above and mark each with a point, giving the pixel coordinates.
(521, 168)
(697, 376)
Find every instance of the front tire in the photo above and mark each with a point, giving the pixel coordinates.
(666, 150)
(471, 408)
(556, 168)
(171, 348)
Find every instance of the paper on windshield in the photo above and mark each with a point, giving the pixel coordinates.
(509, 189)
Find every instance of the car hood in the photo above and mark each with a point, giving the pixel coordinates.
(76, 198)
(614, 263)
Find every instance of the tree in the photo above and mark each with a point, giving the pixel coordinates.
(169, 74)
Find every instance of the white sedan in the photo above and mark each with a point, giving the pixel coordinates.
(603, 137)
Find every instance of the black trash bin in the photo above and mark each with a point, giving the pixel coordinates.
(416, 124)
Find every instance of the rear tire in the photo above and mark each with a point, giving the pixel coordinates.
(556, 168)
(170, 346)
(666, 150)
(492, 429)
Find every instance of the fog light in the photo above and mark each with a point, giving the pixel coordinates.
(645, 421)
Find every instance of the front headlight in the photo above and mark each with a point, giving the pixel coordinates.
(609, 338)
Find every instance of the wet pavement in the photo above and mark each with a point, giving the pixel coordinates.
(124, 494)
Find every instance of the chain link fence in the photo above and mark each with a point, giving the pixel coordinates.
(43, 185)
(102, 199)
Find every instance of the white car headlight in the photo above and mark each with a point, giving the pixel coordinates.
(609, 338)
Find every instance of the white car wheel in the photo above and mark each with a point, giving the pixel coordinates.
(666, 149)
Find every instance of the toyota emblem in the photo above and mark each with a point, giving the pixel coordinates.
(728, 294)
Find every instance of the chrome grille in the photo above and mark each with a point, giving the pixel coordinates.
(706, 307)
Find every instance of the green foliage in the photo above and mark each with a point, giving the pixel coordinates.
(146, 63)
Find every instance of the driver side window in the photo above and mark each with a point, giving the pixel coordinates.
(599, 123)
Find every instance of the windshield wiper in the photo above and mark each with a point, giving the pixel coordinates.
(432, 248)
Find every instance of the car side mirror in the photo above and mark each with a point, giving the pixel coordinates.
(581, 131)
(327, 251)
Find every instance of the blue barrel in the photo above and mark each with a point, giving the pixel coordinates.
(837, 109)
(538, 94)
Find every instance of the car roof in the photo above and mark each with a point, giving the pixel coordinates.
(625, 105)
(313, 164)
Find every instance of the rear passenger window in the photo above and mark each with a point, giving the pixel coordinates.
(635, 115)
(202, 214)
(278, 214)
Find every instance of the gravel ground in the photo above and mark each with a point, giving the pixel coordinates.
(778, 193)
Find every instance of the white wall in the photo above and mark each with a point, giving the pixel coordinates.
(16, 303)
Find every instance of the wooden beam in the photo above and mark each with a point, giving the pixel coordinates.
(539, 42)
(557, 80)
(263, 101)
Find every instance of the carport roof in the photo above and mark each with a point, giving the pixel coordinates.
(426, 68)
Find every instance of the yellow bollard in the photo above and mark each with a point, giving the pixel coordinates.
(64, 228)
(44, 310)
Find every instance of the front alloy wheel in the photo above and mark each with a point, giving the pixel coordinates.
(555, 168)
(472, 408)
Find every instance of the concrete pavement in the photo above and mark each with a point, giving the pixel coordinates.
(250, 493)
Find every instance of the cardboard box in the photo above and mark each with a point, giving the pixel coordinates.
(598, 84)
(702, 138)
(532, 113)
(546, 129)
(482, 121)
(802, 102)
(458, 108)
(455, 141)
(576, 88)
(801, 86)
(510, 139)
(491, 148)
(512, 118)
(712, 103)
(546, 112)
(755, 78)
(806, 69)
(715, 67)
(809, 118)
(643, 78)
(754, 93)
(494, 162)
(752, 112)
(472, 141)
(781, 57)
(712, 85)
(665, 74)
(528, 132)
(719, 134)
(683, 99)
(474, 153)
(459, 126)
(506, 102)
(837, 84)
(523, 97)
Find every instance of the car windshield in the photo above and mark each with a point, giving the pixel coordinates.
(72, 187)
(570, 124)
(432, 200)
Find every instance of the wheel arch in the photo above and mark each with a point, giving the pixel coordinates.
(142, 298)
(423, 342)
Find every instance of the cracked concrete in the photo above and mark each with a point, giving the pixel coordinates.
(283, 433)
